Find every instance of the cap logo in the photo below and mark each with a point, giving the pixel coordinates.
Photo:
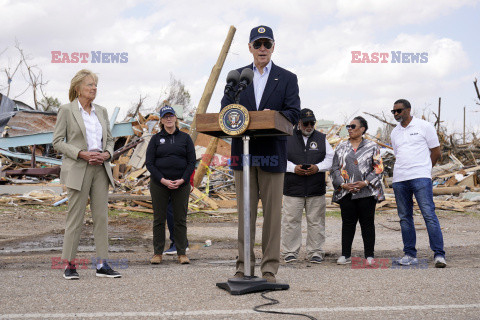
(261, 30)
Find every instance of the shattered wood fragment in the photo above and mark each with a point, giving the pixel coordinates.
(143, 204)
(136, 209)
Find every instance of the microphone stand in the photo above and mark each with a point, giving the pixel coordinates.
(249, 283)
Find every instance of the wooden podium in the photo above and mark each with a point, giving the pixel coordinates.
(262, 123)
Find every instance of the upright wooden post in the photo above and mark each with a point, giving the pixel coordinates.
(438, 123)
(212, 81)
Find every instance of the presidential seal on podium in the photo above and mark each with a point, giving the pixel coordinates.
(234, 119)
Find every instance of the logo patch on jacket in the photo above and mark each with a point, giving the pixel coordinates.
(313, 145)
(162, 140)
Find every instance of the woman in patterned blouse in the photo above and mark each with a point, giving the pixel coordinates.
(357, 178)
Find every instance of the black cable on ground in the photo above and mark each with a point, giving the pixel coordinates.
(274, 302)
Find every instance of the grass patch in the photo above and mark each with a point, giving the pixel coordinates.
(131, 214)
(334, 213)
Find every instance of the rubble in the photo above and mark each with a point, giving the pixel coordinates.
(214, 188)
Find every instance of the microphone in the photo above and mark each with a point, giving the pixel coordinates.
(245, 79)
(232, 80)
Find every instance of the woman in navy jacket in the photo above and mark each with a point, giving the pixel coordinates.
(170, 159)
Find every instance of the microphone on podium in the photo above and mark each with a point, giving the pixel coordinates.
(233, 78)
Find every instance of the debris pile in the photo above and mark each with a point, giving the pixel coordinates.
(25, 162)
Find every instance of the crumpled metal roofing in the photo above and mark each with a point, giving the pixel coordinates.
(30, 122)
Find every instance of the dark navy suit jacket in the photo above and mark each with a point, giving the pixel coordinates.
(280, 94)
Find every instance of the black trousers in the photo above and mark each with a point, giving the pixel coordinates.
(362, 210)
(160, 198)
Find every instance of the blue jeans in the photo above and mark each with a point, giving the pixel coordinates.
(422, 189)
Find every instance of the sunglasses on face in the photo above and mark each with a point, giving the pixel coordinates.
(257, 44)
(168, 116)
(350, 126)
(395, 111)
(309, 123)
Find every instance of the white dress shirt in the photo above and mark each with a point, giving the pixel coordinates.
(93, 129)
(324, 165)
(260, 81)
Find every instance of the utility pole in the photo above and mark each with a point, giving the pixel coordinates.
(438, 123)
(464, 124)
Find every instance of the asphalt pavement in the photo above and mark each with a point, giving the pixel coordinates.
(173, 291)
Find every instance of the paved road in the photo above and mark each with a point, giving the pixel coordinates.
(172, 291)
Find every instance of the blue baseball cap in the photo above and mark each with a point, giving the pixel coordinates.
(261, 32)
(165, 110)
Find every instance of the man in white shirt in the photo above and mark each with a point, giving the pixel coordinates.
(309, 155)
(417, 149)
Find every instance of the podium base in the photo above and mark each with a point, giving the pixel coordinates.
(239, 286)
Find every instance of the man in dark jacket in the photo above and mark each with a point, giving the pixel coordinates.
(273, 88)
(309, 156)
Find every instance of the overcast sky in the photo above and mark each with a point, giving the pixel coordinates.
(314, 39)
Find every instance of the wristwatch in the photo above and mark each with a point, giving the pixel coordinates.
(366, 181)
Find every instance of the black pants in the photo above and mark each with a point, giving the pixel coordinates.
(160, 198)
(362, 210)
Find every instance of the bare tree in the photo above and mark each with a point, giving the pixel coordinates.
(10, 72)
(176, 93)
(49, 104)
(136, 106)
(35, 75)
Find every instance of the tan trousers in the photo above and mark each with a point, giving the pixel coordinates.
(268, 187)
(292, 225)
(95, 186)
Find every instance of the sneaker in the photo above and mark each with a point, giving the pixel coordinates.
(343, 260)
(156, 259)
(106, 272)
(370, 261)
(407, 260)
(316, 259)
(440, 262)
(173, 250)
(270, 277)
(290, 258)
(71, 272)
(183, 259)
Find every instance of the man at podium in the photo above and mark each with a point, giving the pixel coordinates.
(273, 88)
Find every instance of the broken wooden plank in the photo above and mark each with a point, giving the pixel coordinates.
(203, 197)
(136, 209)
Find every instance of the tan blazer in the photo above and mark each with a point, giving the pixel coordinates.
(69, 138)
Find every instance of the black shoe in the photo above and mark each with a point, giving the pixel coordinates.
(316, 259)
(71, 272)
(106, 272)
(290, 258)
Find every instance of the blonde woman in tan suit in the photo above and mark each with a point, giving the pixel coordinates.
(82, 134)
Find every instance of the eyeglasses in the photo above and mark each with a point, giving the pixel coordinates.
(350, 126)
(395, 111)
(168, 116)
(309, 123)
(257, 44)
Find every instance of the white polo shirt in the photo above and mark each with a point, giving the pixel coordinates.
(411, 146)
